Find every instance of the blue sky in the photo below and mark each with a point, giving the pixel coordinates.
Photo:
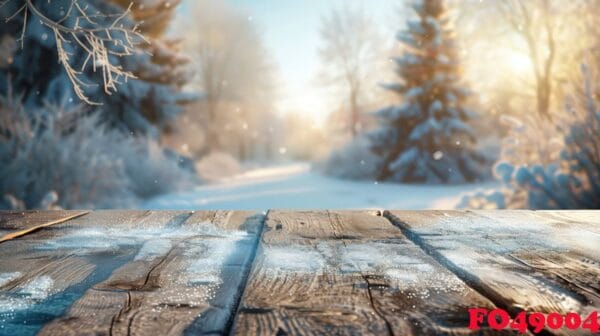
(291, 33)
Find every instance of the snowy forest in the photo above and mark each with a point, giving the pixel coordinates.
(250, 104)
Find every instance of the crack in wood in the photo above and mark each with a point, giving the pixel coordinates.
(570, 284)
(175, 222)
(162, 260)
(130, 325)
(567, 274)
(374, 306)
(365, 278)
(115, 319)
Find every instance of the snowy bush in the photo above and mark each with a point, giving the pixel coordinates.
(71, 159)
(522, 144)
(217, 165)
(572, 181)
(353, 161)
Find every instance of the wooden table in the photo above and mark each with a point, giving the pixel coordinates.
(290, 272)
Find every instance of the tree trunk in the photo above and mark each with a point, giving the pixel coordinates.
(212, 140)
(242, 153)
(354, 117)
(544, 93)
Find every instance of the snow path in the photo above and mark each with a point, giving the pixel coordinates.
(295, 186)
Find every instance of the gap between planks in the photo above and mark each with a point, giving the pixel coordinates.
(464, 275)
(287, 310)
(469, 279)
(144, 283)
(245, 277)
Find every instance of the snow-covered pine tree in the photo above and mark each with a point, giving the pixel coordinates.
(427, 138)
(157, 95)
(143, 103)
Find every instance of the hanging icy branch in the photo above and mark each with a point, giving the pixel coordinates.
(100, 43)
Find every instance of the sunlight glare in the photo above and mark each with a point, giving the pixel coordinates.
(305, 101)
(519, 62)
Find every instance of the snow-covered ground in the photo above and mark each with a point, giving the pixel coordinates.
(296, 186)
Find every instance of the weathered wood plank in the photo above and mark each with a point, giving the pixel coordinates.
(586, 220)
(42, 273)
(94, 237)
(14, 224)
(519, 259)
(348, 273)
(185, 276)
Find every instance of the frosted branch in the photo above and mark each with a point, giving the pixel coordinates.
(100, 43)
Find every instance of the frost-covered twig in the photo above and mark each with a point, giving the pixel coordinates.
(100, 43)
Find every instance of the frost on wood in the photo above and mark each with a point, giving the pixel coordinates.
(428, 138)
(26, 295)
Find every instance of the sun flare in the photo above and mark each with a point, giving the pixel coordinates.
(519, 63)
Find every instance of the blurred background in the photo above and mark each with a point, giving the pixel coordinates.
(256, 104)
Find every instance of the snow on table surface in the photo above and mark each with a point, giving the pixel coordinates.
(538, 261)
(321, 271)
(296, 186)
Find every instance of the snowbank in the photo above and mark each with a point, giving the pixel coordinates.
(296, 186)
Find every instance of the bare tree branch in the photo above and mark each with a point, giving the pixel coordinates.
(100, 43)
(350, 47)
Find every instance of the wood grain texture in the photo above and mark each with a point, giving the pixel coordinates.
(42, 273)
(586, 220)
(522, 260)
(14, 224)
(348, 273)
(186, 275)
(315, 272)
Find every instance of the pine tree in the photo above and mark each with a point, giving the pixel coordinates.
(427, 138)
(144, 103)
(157, 95)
